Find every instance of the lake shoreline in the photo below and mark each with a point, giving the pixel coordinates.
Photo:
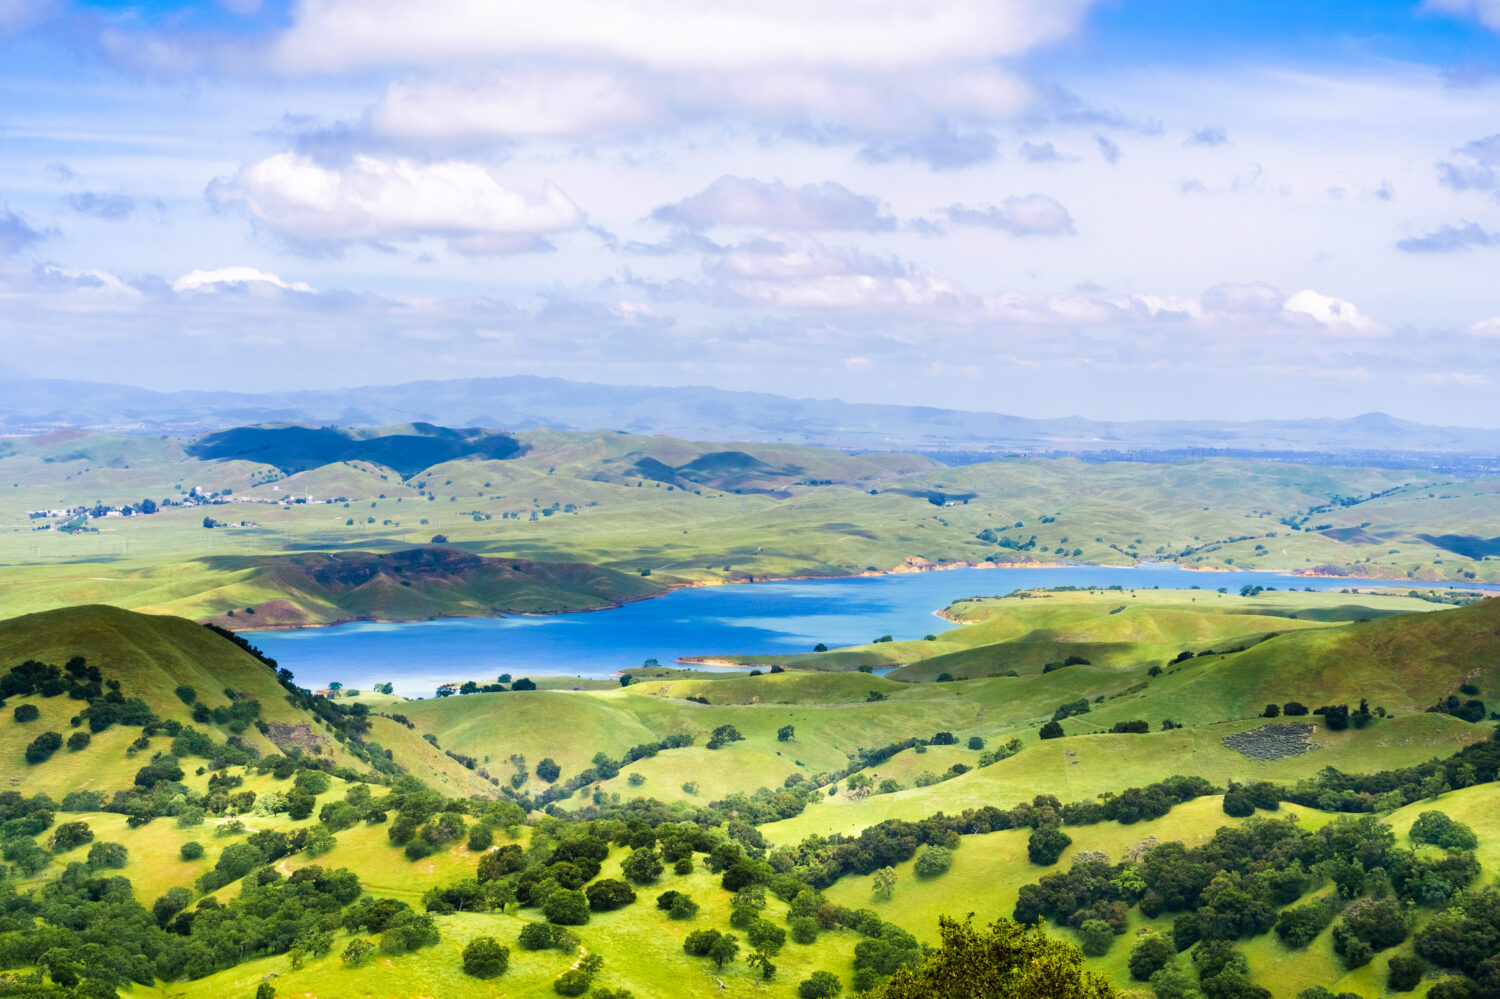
(912, 566)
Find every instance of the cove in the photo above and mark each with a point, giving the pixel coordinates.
(746, 618)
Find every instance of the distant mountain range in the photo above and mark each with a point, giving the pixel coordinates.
(522, 402)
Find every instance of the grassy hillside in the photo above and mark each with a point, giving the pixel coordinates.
(682, 511)
(1316, 648)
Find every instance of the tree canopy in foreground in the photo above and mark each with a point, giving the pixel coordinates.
(1004, 961)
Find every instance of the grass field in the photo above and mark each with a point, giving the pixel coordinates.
(1402, 654)
(686, 512)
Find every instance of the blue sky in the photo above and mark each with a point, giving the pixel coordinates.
(1110, 208)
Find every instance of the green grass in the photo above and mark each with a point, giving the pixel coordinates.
(1211, 514)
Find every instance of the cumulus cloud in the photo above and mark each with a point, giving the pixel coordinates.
(16, 234)
(108, 207)
(775, 205)
(375, 200)
(1450, 239)
(344, 35)
(1334, 314)
(198, 280)
(529, 102)
(1031, 215)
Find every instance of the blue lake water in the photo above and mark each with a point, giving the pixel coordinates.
(770, 618)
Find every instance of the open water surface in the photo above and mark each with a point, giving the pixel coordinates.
(749, 618)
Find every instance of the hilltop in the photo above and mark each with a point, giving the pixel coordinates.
(525, 402)
(241, 520)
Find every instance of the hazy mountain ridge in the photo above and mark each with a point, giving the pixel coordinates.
(524, 402)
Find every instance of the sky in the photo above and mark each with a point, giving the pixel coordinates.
(1118, 209)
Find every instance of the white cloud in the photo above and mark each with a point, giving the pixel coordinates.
(1486, 327)
(775, 205)
(525, 102)
(372, 199)
(800, 273)
(197, 280)
(880, 35)
(1334, 314)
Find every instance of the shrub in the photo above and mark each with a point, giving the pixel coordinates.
(699, 942)
(357, 953)
(41, 748)
(70, 836)
(1052, 730)
(78, 740)
(1149, 956)
(607, 894)
(186, 694)
(484, 958)
(548, 770)
(566, 908)
(1300, 925)
(1403, 972)
(538, 936)
(1047, 844)
(1294, 709)
(102, 855)
(933, 861)
(1272, 711)
(191, 850)
(573, 982)
(723, 736)
(26, 713)
(1440, 830)
(804, 929)
(1095, 937)
(820, 985)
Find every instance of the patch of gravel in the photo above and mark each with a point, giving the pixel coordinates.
(1272, 742)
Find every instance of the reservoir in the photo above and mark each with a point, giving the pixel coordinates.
(747, 618)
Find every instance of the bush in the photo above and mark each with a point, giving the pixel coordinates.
(976, 742)
(70, 836)
(1272, 711)
(78, 740)
(1047, 844)
(804, 929)
(1403, 972)
(1440, 830)
(1294, 709)
(186, 694)
(42, 747)
(821, 985)
(192, 850)
(723, 736)
(1149, 956)
(566, 908)
(607, 894)
(538, 936)
(1052, 730)
(102, 855)
(481, 838)
(699, 942)
(572, 982)
(548, 770)
(26, 713)
(1095, 937)
(933, 861)
(485, 958)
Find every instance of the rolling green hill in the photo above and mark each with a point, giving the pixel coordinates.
(682, 511)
